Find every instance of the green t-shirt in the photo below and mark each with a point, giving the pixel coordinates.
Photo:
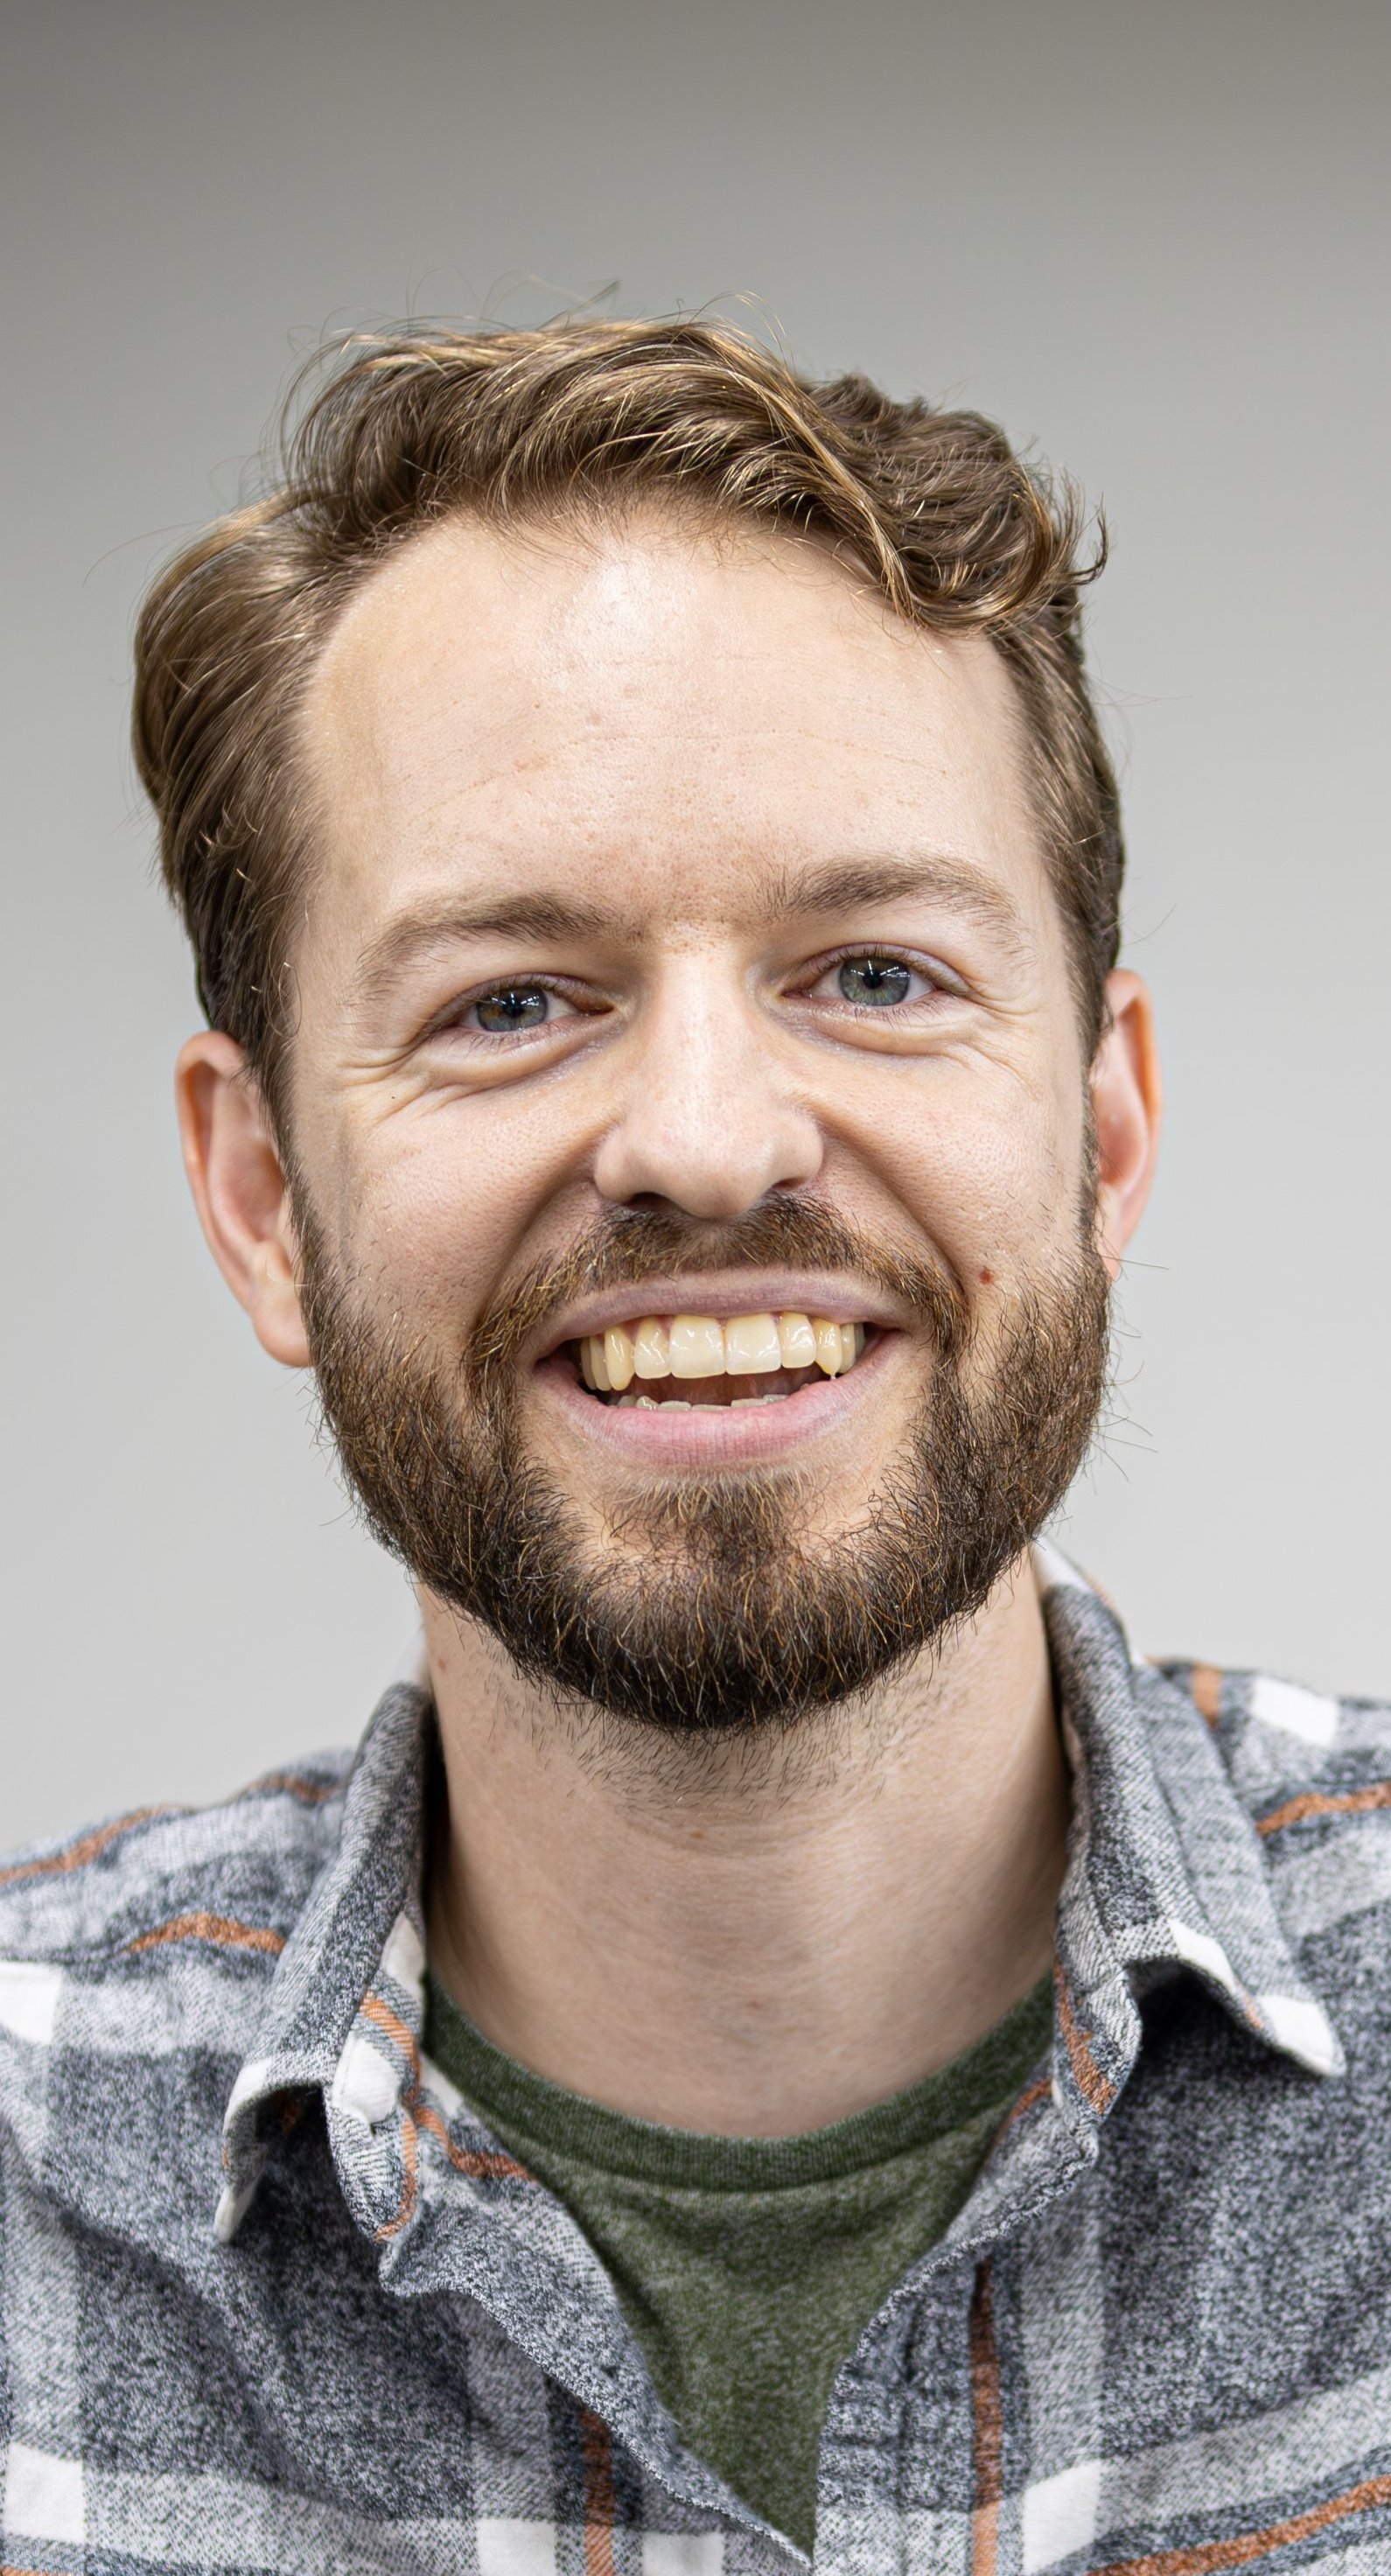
(748, 2267)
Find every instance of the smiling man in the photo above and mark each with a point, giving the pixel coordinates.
(783, 2039)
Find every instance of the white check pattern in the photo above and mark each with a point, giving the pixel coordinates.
(272, 2298)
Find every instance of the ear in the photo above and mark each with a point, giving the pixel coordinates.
(1127, 1105)
(239, 1189)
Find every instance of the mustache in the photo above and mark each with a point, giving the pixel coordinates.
(629, 1246)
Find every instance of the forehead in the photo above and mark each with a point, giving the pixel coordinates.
(683, 711)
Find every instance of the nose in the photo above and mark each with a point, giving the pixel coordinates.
(708, 1123)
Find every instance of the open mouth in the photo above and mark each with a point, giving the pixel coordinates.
(676, 1363)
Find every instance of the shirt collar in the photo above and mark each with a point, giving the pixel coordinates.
(356, 1952)
(1165, 1872)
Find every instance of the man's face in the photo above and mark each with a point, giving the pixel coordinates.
(684, 1005)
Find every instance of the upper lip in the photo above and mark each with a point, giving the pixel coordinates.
(722, 1294)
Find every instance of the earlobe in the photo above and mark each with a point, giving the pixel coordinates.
(1127, 1106)
(240, 1190)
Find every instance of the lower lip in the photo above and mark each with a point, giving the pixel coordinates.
(716, 1435)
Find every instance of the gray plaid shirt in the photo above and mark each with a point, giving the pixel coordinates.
(272, 2298)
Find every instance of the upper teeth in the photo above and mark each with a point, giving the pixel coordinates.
(701, 1346)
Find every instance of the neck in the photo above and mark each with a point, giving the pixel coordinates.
(740, 1943)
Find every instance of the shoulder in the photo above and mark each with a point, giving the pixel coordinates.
(149, 1939)
(1313, 1771)
(133, 1880)
(1278, 1737)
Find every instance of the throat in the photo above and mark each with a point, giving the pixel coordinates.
(698, 1940)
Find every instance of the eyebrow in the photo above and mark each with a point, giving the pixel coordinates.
(434, 925)
(837, 885)
(848, 885)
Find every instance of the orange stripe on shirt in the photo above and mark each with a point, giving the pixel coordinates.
(1207, 2558)
(396, 2030)
(1205, 1683)
(211, 1927)
(1038, 2091)
(290, 1784)
(87, 1847)
(596, 2450)
(480, 2164)
(1096, 2088)
(1326, 1802)
(987, 2423)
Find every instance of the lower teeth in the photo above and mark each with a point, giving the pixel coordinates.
(678, 1404)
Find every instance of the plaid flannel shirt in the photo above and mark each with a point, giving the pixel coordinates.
(272, 2298)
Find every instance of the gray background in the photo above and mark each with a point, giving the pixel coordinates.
(1152, 238)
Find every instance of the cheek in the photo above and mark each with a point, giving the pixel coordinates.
(440, 1205)
(405, 1232)
(991, 1180)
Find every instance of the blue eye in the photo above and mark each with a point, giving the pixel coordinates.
(512, 1006)
(874, 983)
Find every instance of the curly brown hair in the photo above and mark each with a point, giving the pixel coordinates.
(580, 419)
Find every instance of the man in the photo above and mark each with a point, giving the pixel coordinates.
(783, 2039)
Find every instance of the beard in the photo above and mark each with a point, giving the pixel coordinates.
(710, 1607)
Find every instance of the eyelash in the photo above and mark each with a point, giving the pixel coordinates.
(452, 1022)
(941, 983)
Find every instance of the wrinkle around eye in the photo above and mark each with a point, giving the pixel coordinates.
(454, 1055)
(923, 1024)
(458, 1021)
